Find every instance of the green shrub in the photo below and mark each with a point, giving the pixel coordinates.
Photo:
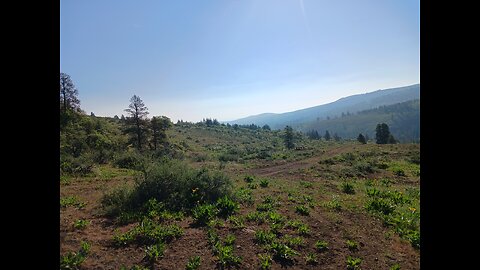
(175, 185)
(130, 160)
(229, 240)
(226, 257)
(237, 222)
(395, 267)
(252, 185)
(294, 241)
(80, 166)
(193, 263)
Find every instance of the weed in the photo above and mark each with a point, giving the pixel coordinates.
(282, 252)
(259, 217)
(244, 196)
(311, 258)
(321, 245)
(302, 210)
(380, 205)
(352, 245)
(265, 261)
(202, 214)
(153, 252)
(306, 184)
(395, 267)
(73, 260)
(294, 241)
(226, 206)
(334, 204)
(303, 229)
(252, 185)
(353, 263)
(264, 237)
(71, 201)
(226, 257)
(249, 179)
(229, 240)
(81, 224)
(348, 188)
(193, 263)
(264, 183)
(237, 222)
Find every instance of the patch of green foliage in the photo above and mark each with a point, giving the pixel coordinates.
(348, 188)
(193, 263)
(352, 245)
(311, 258)
(321, 245)
(73, 260)
(264, 183)
(302, 210)
(226, 206)
(265, 261)
(71, 201)
(353, 263)
(81, 224)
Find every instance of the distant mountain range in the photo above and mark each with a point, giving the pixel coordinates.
(342, 116)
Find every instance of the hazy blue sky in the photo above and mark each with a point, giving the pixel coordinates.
(228, 59)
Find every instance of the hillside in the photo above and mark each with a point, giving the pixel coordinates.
(402, 118)
(236, 198)
(351, 104)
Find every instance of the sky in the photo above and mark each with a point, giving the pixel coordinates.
(228, 59)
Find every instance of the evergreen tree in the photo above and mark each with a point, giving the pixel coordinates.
(266, 127)
(336, 137)
(137, 121)
(288, 137)
(382, 133)
(361, 139)
(159, 126)
(391, 139)
(327, 136)
(69, 102)
(116, 117)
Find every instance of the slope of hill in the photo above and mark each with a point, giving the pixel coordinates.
(349, 104)
(402, 118)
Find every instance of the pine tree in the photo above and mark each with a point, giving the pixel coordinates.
(288, 137)
(327, 136)
(382, 133)
(361, 139)
(137, 120)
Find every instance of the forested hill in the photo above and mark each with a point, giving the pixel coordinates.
(402, 118)
(347, 105)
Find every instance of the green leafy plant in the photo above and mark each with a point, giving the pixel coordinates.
(303, 229)
(237, 222)
(265, 261)
(334, 204)
(353, 263)
(244, 196)
(226, 257)
(264, 183)
(229, 240)
(302, 210)
(193, 263)
(282, 252)
(311, 258)
(348, 188)
(202, 214)
(71, 201)
(321, 245)
(226, 206)
(153, 252)
(252, 185)
(352, 245)
(81, 224)
(294, 241)
(72, 260)
(395, 267)
(249, 179)
(264, 237)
